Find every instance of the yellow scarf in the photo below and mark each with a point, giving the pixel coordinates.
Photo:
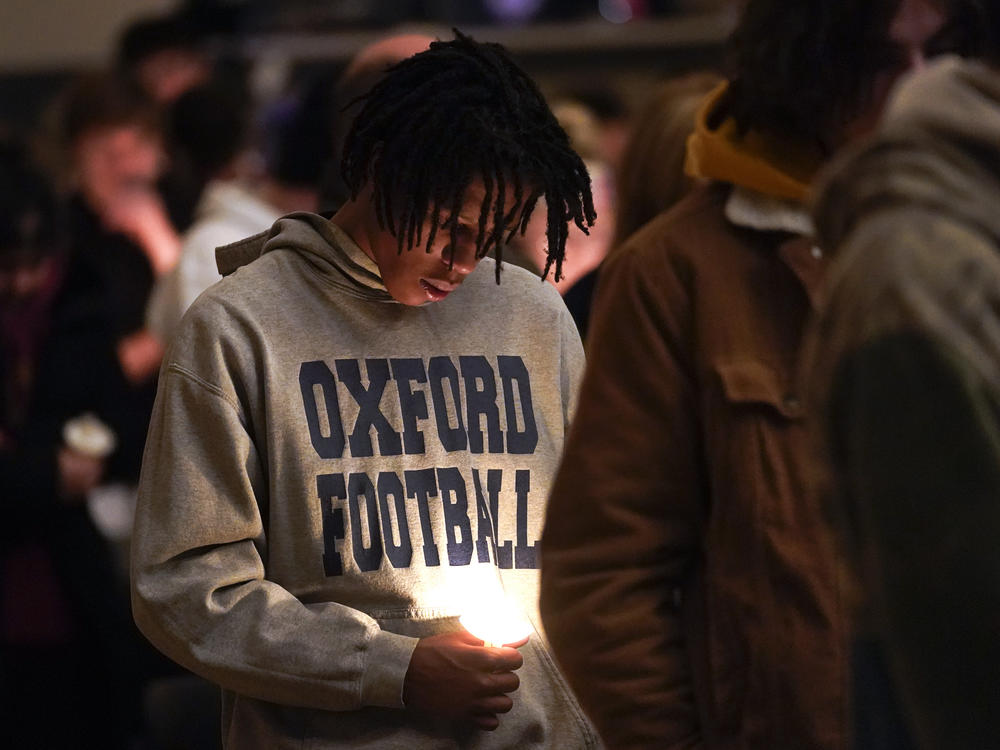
(752, 160)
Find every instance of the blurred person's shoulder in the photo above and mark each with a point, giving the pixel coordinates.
(695, 226)
(948, 86)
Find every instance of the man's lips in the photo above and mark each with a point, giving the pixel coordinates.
(437, 289)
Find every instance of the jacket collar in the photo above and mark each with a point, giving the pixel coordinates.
(764, 213)
(767, 213)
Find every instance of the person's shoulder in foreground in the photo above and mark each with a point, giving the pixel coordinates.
(355, 433)
(903, 371)
(926, 181)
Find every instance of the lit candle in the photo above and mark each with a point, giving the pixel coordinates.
(497, 622)
(490, 614)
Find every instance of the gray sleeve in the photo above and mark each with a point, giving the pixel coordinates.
(200, 591)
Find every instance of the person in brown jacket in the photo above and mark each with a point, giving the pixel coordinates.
(689, 589)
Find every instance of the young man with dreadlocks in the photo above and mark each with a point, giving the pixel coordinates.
(356, 430)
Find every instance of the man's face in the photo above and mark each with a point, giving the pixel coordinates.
(416, 277)
(911, 30)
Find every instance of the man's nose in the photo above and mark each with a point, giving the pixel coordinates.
(463, 260)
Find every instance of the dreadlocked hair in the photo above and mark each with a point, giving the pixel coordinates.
(457, 111)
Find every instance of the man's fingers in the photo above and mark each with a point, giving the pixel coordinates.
(516, 644)
(451, 674)
(488, 722)
(500, 659)
(496, 704)
(485, 716)
(502, 682)
(464, 636)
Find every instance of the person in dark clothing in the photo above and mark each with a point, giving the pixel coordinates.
(65, 635)
(119, 230)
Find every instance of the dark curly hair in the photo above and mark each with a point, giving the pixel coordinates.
(802, 68)
(463, 110)
(96, 101)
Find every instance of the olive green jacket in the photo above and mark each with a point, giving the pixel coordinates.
(906, 377)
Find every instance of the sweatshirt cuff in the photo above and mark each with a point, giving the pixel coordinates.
(386, 663)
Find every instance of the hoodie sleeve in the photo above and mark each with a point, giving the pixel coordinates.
(199, 587)
(622, 524)
(572, 366)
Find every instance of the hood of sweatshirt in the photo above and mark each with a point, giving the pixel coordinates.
(327, 248)
(939, 150)
(912, 218)
(769, 166)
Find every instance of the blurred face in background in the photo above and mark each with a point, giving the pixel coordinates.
(115, 161)
(21, 279)
(909, 44)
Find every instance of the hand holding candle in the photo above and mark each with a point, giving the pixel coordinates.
(451, 675)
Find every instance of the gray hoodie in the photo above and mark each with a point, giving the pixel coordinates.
(330, 475)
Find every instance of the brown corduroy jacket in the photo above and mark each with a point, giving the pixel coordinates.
(688, 586)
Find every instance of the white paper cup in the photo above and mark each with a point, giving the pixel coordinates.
(88, 435)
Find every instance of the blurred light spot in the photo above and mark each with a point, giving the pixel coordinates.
(513, 11)
(616, 11)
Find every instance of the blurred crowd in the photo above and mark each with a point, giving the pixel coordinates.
(110, 210)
